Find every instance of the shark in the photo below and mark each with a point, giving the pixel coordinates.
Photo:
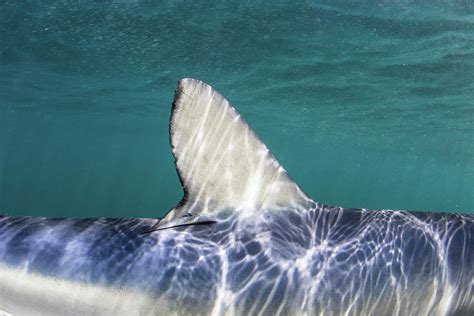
(244, 240)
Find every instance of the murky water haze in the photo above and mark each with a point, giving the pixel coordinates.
(366, 105)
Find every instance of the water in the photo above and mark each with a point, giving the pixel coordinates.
(366, 105)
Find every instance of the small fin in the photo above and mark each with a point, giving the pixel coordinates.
(185, 220)
(220, 161)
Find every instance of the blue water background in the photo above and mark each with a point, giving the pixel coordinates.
(365, 103)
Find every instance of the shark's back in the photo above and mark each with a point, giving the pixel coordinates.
(324, 259)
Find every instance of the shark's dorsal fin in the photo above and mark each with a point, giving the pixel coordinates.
(220, 161)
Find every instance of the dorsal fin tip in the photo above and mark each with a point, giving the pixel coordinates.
(220, 161)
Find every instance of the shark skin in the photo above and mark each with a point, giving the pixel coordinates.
(245, 240)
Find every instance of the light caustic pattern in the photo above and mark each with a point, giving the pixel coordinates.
(268, 250)
(322, 260)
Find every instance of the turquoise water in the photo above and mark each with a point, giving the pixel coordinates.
(366, 105)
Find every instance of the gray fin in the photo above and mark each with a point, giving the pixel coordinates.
(220, 161)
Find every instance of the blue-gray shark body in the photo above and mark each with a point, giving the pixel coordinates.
(244, 240)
